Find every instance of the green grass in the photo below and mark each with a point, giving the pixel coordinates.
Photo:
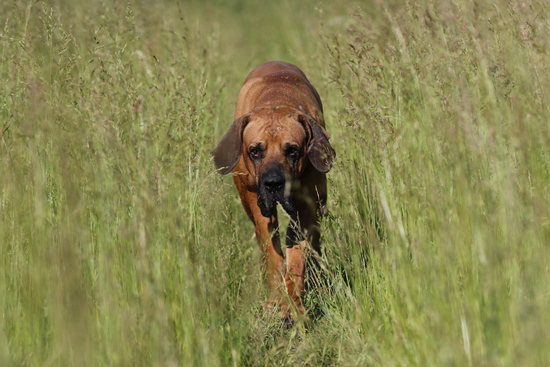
(121, 245)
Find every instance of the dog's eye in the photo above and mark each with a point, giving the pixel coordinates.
(293, 152)
(254, 153)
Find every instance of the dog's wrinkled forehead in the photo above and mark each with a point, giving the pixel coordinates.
(274, 129)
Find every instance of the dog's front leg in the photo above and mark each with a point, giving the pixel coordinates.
(294, 277)
(267, 234)
(302, 234)
(297, 248)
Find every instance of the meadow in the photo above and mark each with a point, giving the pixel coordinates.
(120, 245)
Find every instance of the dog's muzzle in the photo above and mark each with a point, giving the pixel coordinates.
(274, 187)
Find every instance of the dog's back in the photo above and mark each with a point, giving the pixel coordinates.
(279, 84)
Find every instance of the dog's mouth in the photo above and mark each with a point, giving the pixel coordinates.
(268, 203)
(273, 188)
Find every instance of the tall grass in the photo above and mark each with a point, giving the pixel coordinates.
(120, 244)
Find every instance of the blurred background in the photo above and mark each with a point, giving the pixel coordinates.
(121, 245)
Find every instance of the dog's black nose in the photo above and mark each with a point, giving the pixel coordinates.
(273, 181)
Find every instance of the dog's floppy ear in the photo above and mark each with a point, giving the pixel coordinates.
(229, 150)
(319, 151)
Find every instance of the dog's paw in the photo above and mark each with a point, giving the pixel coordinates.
(291, 315)
(287, 321)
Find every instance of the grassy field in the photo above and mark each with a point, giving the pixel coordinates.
(121, 246)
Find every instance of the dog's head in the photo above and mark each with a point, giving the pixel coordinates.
(276, 146)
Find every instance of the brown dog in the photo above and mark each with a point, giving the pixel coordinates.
(278, 151)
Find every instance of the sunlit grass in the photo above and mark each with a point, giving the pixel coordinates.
(121, 245)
